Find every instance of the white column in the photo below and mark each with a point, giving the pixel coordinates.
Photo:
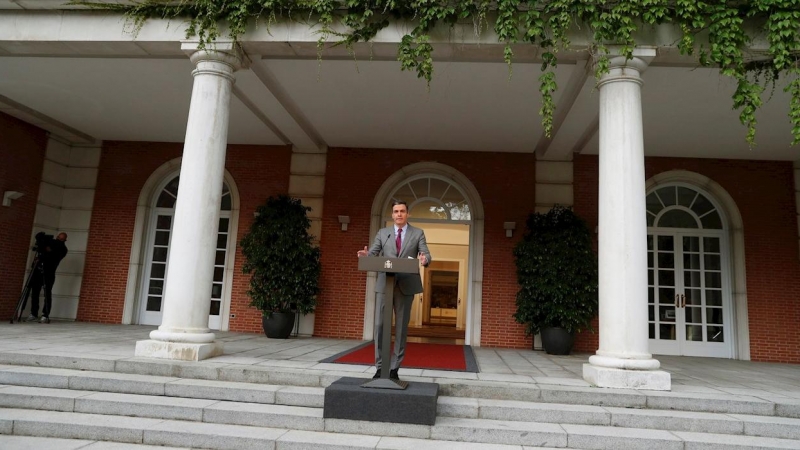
(184, 332)
(623, 359)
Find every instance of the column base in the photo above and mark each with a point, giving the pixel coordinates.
(177, 350)
(654, 380)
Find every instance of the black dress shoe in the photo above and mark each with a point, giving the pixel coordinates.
(377, 374)
(393, 374)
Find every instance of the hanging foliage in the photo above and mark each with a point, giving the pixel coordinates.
(728, 28)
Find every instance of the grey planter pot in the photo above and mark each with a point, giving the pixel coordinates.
(557, 341)
(278, 325)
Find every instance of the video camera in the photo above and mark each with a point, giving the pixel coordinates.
(42, 241)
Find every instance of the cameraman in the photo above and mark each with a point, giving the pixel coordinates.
(50, 253)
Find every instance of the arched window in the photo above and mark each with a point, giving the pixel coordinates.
(158, 250)
(681, 207)
(170, 193)
(689, 298)
(432, 198)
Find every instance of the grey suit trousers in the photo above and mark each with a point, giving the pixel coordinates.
(402, 315)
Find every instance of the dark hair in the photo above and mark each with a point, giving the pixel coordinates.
(399, 202)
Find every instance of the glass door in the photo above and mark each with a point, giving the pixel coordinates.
(704, 303)
(156, 268)
(218, 280)
(688, 304)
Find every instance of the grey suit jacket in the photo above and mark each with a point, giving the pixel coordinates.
(413, 244)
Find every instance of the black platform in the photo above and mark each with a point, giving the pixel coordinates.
(346, 399)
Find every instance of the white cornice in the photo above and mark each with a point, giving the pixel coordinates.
(54, 32)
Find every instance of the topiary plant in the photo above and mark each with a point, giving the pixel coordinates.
(284, 263)
(556, 272)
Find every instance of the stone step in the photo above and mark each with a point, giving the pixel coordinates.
(304, 388)
(478, 413)
(157, 385)
(198, 400)
(622, 398)
(181, 434)
(448, 433)
(38, 443)
(162, 407)
(670, 420)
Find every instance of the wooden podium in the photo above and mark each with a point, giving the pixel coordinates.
(389, 266)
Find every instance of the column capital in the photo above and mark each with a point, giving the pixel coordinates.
(226, 52)
(620, 68)
(645, 54)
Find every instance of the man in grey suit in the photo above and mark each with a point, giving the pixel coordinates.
(398, 241)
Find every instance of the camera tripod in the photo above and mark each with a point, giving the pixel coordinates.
(23, 298)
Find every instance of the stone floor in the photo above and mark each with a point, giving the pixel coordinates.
(113, 342)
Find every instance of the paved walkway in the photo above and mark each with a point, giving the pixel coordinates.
(116, 342)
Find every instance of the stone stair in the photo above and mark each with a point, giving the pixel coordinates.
(225, 406)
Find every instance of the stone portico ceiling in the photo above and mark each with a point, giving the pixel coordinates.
(80, 75)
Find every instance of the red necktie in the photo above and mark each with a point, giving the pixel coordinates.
(399, 240)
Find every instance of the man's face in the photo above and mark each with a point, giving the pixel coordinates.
(62, 237)
(400, 215)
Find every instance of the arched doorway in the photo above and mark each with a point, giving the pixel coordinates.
(148, 269)
(690, 305)
(445, 204)
(156, 269)
(442, 210)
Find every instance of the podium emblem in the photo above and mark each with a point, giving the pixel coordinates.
(387, 264)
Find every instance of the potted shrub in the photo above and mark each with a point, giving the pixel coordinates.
(284, 264)
(557, 276)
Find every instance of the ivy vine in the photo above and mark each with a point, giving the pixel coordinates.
(728, 28)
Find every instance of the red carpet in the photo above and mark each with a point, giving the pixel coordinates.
(418, 356)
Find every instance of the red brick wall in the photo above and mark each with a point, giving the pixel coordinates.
(258, 171)
(505, 183)
(763, 192)
(586, 176)
(22, 150)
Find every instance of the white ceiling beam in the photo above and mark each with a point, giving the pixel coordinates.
(45, 122)
(260, 115)
(566, 102)
(591, 131)
(297, 129)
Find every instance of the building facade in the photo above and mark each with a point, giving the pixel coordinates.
(697, 235)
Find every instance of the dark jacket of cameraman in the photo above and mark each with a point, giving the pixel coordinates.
(52, 255)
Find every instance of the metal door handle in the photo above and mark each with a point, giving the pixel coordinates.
(683, 301)
(677, 300)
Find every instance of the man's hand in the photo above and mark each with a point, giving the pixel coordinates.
(422, 258)
(362, 253)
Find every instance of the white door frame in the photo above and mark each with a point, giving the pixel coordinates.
(144, 212)
(475, 287)
(152, 317)
(680, 346)
(731, 216)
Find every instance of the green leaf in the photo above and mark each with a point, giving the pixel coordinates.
(280, 255)
(556, 273)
